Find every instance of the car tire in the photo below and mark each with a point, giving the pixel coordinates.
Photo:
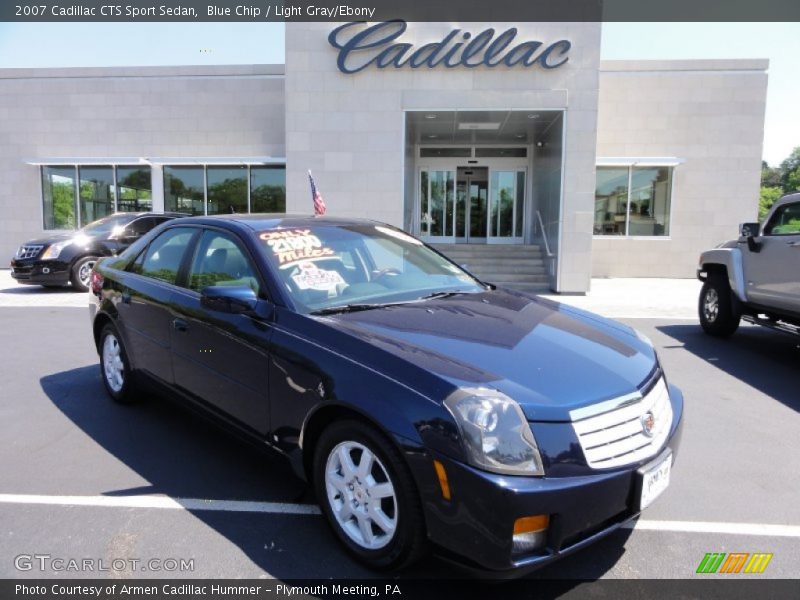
(81, 273)
(719, 314)
(383, 532)
(115, 367)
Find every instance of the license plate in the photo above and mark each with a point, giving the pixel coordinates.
(654, 481)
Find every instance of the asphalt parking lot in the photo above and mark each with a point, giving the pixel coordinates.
(155, 482)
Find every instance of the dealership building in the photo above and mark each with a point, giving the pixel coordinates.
(519, 148)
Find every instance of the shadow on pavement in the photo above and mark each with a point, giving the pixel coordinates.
(25, 290)
(183, 456)
(762, 358)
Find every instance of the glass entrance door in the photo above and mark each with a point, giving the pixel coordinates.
(506, 206)
(437, 220)
(472, 193)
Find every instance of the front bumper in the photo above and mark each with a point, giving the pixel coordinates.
(40, 272)
(475, 528)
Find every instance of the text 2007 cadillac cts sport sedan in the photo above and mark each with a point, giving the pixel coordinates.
(424, 406)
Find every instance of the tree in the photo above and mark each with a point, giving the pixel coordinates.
(790, 172)
(770, 177)
(769, 195)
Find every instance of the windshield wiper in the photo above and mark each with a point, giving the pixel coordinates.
(444, 294)
(345, 308)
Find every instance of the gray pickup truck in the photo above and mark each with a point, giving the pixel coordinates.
(755, 278)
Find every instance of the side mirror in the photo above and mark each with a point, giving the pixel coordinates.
(750, 231)
(229, 299)
(747, 230)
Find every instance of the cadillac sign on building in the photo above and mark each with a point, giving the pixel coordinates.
(361, 45)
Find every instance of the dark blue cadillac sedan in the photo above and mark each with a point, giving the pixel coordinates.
(423, 405)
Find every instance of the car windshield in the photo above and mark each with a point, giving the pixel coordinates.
(106, 225)
(356, 267)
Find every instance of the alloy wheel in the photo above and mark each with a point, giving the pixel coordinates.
(361, 495)
(113, 365)
(85, 272)
(711, 305)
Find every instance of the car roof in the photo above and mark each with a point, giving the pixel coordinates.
(787, 199)
(263, 221)
(134, 215)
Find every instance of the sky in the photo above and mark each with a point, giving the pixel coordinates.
(127, 44)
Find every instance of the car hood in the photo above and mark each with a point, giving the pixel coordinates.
(51, 239)
(549, 357)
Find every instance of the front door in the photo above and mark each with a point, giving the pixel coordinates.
(771, 274)
(221, 359)
(472, 192)
(472, 204)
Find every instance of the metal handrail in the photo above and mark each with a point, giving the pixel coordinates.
(544, 235)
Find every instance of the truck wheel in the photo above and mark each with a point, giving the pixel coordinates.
(718, 316)
(81, 273)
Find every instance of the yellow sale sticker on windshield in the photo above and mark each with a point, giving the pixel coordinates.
(293, 245)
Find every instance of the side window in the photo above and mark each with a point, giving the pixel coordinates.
(220, 260)
(140, 226)
(785, 221)
(162, 258)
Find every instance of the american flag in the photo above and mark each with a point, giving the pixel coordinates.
(316, 197)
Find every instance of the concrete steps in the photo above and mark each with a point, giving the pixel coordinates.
(513, 266)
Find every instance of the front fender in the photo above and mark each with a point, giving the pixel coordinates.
(732, 261)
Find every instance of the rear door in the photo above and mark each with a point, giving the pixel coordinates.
(220, 359)
(144, 311)
(773, 274)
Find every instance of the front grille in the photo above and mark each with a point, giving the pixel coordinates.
(31, 251)
(617, 436)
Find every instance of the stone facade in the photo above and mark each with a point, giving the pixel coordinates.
(349, 129)
(710, 115)
(127, 112)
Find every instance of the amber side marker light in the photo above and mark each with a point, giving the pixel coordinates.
(530, 533)
(442, 475)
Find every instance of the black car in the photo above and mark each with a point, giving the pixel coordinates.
(423, 405)
(68, 257)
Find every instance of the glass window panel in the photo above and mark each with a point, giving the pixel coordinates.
(162, 259)
(183, 189)
(501, 152)
(503, 197)
(450, 200)
(221, 261)
(785, 221)
(135, 189)
(461, 209)
(227, 190)
(650, 201)
(424, 226)
(610, 201)
(268, 189)
(58, 197)
(477, 208)
(520, 210)
(97, 193)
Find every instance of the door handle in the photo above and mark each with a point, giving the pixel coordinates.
(180, 325)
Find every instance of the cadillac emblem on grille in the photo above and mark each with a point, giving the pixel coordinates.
(648, 423)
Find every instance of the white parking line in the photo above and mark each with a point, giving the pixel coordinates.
(763, 529)
(164, 502)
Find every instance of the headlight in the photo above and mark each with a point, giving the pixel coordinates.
(55, 249)
(496, 434)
